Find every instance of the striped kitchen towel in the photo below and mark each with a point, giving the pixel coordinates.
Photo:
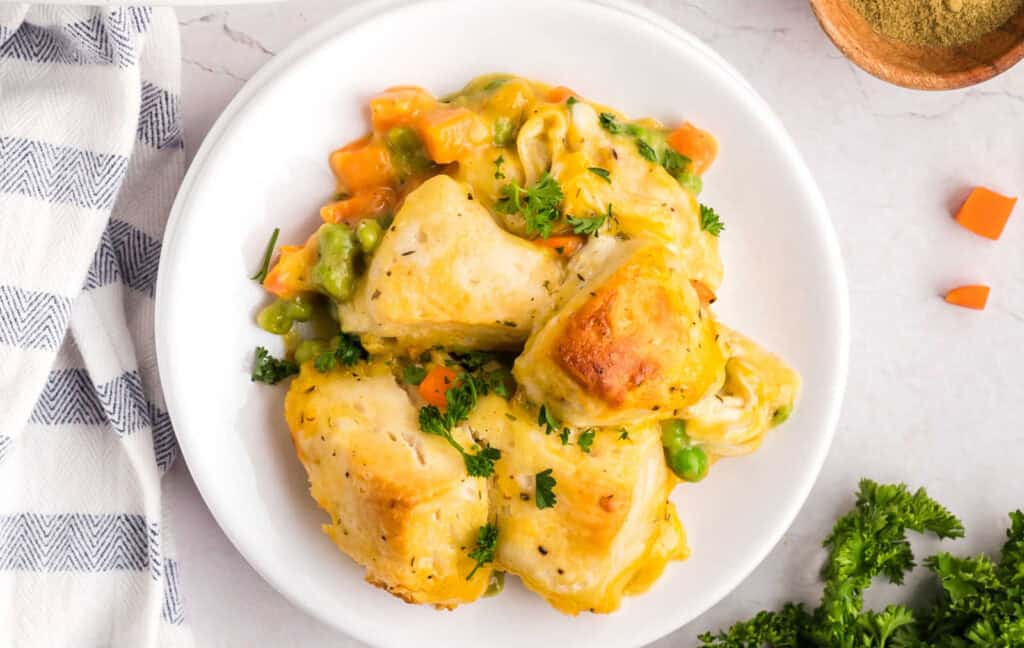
(90, 158)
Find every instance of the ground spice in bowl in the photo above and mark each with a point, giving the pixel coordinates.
(940, 23)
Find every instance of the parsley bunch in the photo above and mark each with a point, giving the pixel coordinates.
(270, 370)
(486, 543)
(981, 602)
(539, 205)
(461, 400)
(345, 349)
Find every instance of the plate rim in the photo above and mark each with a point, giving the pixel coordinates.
(366, 10)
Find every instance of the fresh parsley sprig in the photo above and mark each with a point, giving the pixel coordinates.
(460, 399)
(486, 545)
(981, 601)
(589, 226)
(544, 493)
(270, 370)
(586, 439)
(539, 205)
(710, 221)
(346, 350)
(547, 420)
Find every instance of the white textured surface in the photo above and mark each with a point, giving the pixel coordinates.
(936, 394)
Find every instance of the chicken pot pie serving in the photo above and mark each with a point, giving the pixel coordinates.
(506, 352)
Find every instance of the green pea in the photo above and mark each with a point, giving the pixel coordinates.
(782, 414)
(402, 138)
(496, 584)
(691, 183)
(278, 317)
(299, 309)
(334, 272)
(673, 434)
(309, 349)
(368, 233)
(504, 132)
(335, 240)
(689, 463)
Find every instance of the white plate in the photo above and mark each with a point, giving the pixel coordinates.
(264, 165)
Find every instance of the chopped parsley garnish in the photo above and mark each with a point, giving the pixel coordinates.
(610, 124)
(544, 494)
(602, 173)
(414, 374)
(539, 205)
(490, 369)
(347, 352)
(710, 221)
(498, 175)
(589, 225)
(268, 253)
(980, 603)
(486, 543)
(646, 150)
(461, 400)
(547, 420)
(675, 163)
(623, 434)
(564, 436)
(586, 439)
(571, 101)
(268, 369)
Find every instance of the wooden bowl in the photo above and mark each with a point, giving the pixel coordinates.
(920, 66)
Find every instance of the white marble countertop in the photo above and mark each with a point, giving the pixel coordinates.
(936, 394)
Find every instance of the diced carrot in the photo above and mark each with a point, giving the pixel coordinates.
(698, 145)
(366, 203)
(399, 105)
(707, 296)
(436, 384)
(362, 164)
(985, 212)
(290, 275)
(560, 94)
(969, 297)
(565, 246)
(449, 133)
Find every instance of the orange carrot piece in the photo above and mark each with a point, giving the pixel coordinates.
(969, 297)
(436, 384)
(707, 296)
(362, 164)
(366, 203)
(698, 145)
(399, 105)
(289, 276)
(560, 94)
(565, 246)
(449, 132)
(985, 212)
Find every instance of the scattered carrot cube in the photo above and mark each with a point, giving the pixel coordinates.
(449, 133)
(560, 94)
(969, 297)
(361, 165)
(399, 105)
(436, 384)
(365, 203)
(290, 276)
(985, 212)
(698, 145)
(564, 246)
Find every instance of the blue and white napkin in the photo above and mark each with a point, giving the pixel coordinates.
(90, 159)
